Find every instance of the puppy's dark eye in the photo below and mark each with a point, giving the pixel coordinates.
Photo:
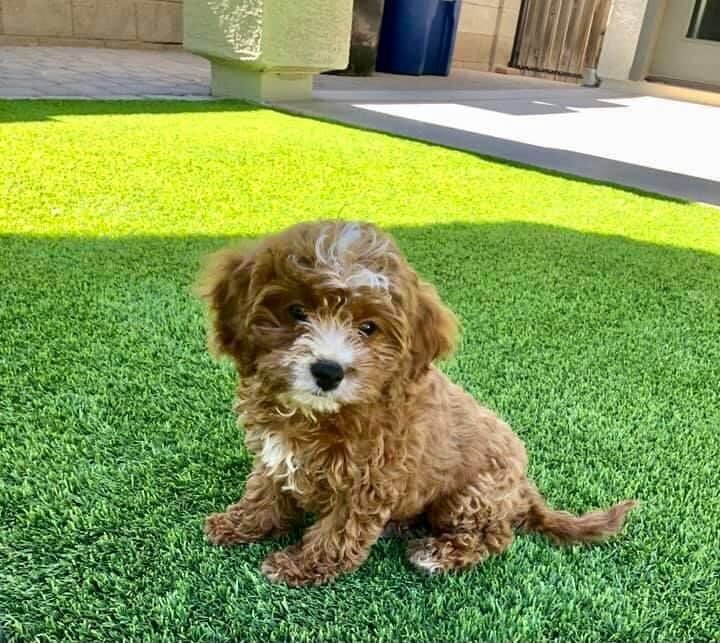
(297, 312)
(367, 328)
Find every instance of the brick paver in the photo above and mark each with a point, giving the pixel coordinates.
(79, 72)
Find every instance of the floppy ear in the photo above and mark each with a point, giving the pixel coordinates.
(435, 330)
(224, 285)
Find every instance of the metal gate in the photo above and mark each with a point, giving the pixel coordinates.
(560, 38)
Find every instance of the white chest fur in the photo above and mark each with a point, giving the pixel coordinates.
(280, 460)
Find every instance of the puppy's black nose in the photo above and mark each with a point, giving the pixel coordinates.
(327, 373)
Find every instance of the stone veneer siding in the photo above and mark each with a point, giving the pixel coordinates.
(154, 24)
(484, 40)
(486, 32)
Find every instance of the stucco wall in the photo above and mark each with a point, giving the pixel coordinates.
(486, 33)
(647, 39)
(279, 35)
(111, 23)
(621, 39)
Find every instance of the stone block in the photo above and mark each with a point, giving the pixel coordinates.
(478, 19)
(136, 44)
(60, 41)
(503, 51)
(461, 64)
(230, 80)
(17, 41)
(37, 17)
(160, 22)
(473, 48)
(104, 19)
(486, 3)
(508, 23)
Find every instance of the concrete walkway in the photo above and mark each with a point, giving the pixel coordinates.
(618, 136)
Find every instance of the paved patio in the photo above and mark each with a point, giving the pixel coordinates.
(80, 72)
(653, 144)
(619, 136)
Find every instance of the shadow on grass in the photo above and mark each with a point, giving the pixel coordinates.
(28, 110)
(547, 312)
(511, 282)
(118, 435)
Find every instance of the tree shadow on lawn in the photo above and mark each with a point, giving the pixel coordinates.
(118, 438)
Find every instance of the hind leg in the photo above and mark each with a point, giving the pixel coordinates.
(459, 550)
(467, 528)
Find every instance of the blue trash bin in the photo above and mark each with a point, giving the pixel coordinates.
(418, 36)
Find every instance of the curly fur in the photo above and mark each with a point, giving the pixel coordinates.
(396, 442)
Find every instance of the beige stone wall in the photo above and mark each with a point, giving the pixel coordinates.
(109, 23)
(486, 33)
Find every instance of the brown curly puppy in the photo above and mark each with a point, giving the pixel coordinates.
(333, 336)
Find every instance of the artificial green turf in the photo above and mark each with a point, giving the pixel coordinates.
(592, 323)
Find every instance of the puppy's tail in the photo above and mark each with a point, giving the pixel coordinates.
(565, 528)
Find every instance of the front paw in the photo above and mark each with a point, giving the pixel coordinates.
(292, 567)
(225, 529)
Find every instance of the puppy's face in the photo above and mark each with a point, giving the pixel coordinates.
(326, 315)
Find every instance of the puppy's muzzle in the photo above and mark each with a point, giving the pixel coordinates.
(327, 373)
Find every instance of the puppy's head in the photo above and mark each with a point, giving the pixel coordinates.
(325, 315)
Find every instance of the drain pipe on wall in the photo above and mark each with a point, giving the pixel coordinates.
(590, 77)
(600, 21)
(493, 46)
